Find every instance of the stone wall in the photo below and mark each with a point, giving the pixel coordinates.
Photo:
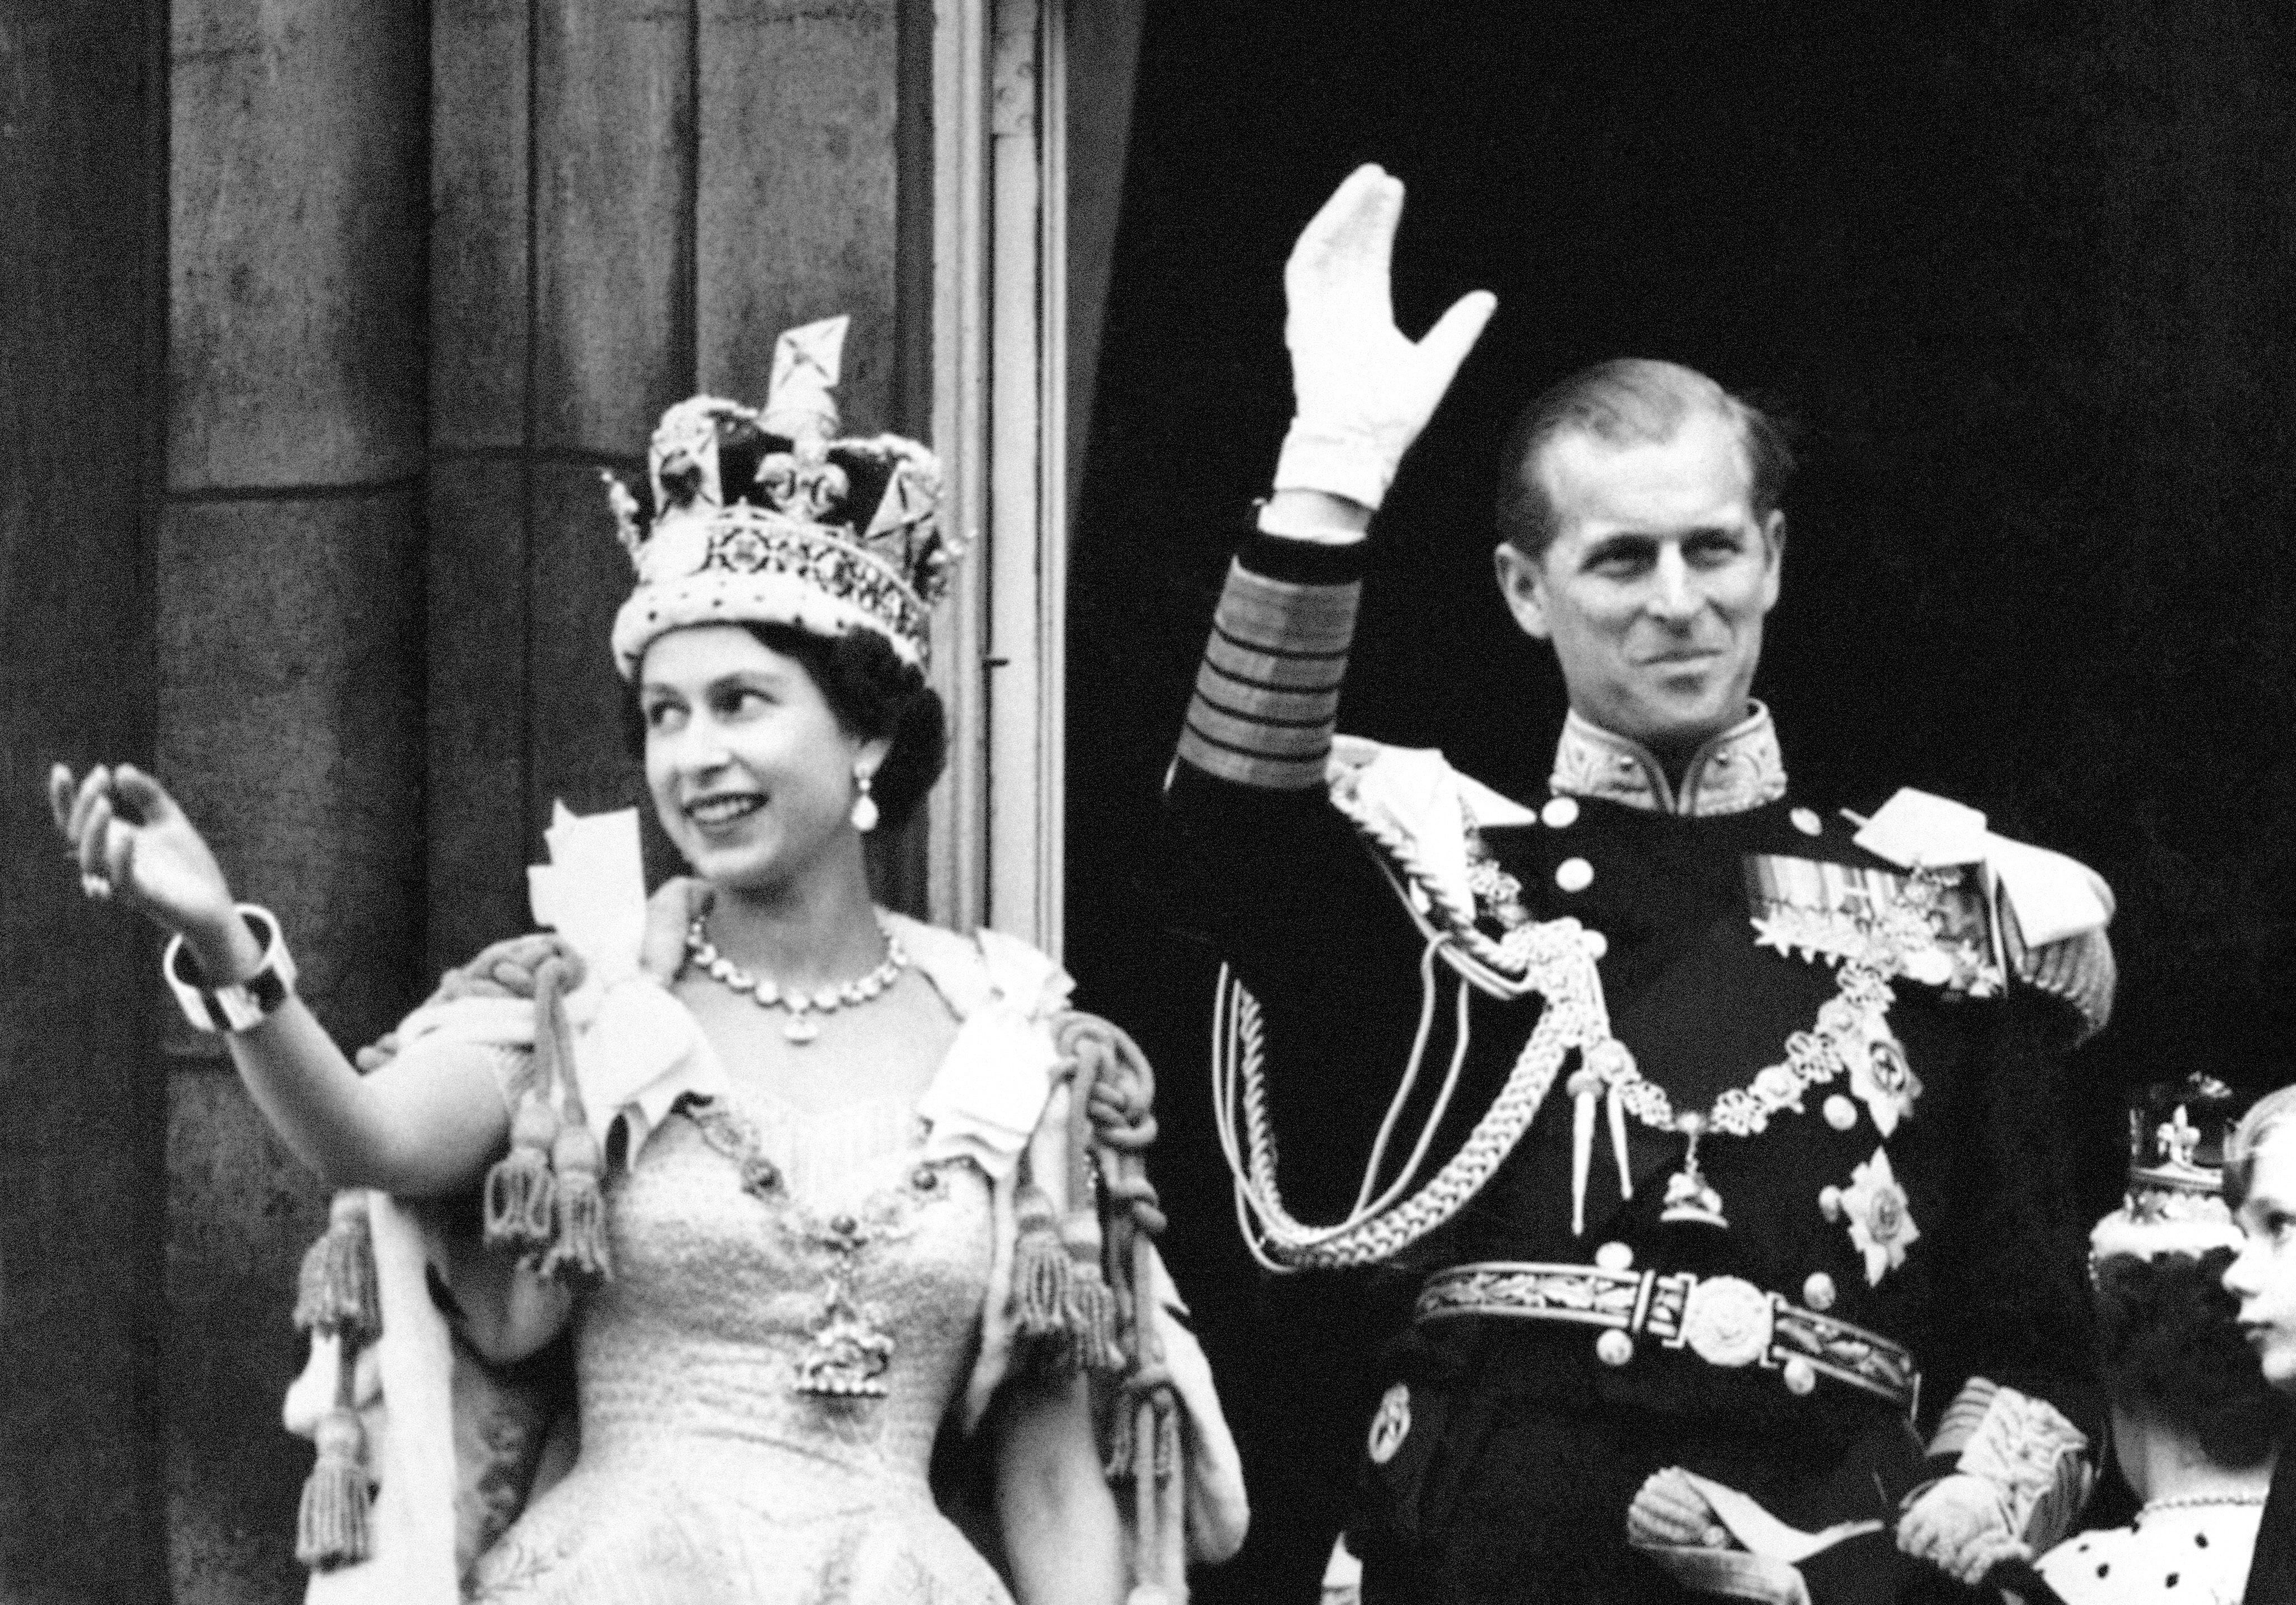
(83, 319)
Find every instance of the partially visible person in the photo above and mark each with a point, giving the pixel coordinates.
(2260, 1181)
(2195, 1427)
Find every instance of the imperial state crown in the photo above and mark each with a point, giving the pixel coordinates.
(761, 516)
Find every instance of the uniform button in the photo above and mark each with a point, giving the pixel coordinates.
(1829, 1203)
(1840, 1113)
(1806, 822)
(1614, 1347)
(1614, 1256)
(1818, 1292)
(1574, 875)
(1561, 812)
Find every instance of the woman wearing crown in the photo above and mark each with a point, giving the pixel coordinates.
(812, 1186)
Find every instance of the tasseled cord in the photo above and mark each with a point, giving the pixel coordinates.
(1066, 1314)
(1587, 1085)
(1115, 1092)
(336, 1296)
(544, 1199)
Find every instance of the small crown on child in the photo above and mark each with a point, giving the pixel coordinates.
(2176, 1203)
(760, 516)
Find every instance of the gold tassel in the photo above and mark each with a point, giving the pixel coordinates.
(580, 1248)
(1092, 1316)
(1168, 1436)
(330, 1524)
(1043, 1279)
(1118, 1467)
(336, 1292)
(521, 1196)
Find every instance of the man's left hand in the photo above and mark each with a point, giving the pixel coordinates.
(1361, 390)
(1957, 1525)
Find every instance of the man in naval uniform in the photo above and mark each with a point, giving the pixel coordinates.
(1717, 1136)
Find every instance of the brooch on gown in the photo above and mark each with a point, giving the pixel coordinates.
(850, 1352)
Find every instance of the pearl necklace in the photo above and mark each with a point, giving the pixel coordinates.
(2186, 1502)
(800, 1005)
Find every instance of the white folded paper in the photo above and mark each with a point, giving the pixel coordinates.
(593, 890)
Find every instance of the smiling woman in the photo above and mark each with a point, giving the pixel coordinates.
(869, 692)
(805, 1181)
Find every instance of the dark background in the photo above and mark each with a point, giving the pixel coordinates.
(2022, 273)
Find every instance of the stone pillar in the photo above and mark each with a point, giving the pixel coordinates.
(290, 628)
(630, 199)
(83, 157)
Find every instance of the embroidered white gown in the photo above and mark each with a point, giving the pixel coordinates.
(707, 1475)
(755, 1249)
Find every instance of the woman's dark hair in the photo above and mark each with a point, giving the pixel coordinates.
(2170, 1345)
(873, 694)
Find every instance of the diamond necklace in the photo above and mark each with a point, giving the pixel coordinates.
(800, 1005)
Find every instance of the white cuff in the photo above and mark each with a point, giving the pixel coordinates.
(1270, 522)
(1353, 466)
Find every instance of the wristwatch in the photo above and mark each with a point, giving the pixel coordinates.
(242, 1005)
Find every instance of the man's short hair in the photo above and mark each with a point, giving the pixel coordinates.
(1628, 401)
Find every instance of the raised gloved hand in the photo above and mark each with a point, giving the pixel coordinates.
(1959, 1525)
(1361, 392)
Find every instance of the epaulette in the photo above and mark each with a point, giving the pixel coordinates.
(2053, 909)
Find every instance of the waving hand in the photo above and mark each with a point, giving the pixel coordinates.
(1362, 391)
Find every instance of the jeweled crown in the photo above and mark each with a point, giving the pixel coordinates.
(2176, 1203)
(760, 516)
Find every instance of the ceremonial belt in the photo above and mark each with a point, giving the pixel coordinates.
(1724, 1320)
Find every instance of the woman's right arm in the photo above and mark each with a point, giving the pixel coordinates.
(427, 1122)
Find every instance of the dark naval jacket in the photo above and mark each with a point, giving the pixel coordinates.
(1891, 1216)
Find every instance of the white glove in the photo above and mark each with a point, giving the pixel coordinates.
(1668, 1510)
(1361, 392)
(1958, 1524)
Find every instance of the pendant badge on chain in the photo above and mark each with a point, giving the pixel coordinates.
(1689, 1195)
(850, 1354)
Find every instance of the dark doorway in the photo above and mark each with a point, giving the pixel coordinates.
(2020, 271)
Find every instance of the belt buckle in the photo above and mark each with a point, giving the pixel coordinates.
(1727, 1321)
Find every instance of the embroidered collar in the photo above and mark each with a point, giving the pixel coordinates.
(1740, 769)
